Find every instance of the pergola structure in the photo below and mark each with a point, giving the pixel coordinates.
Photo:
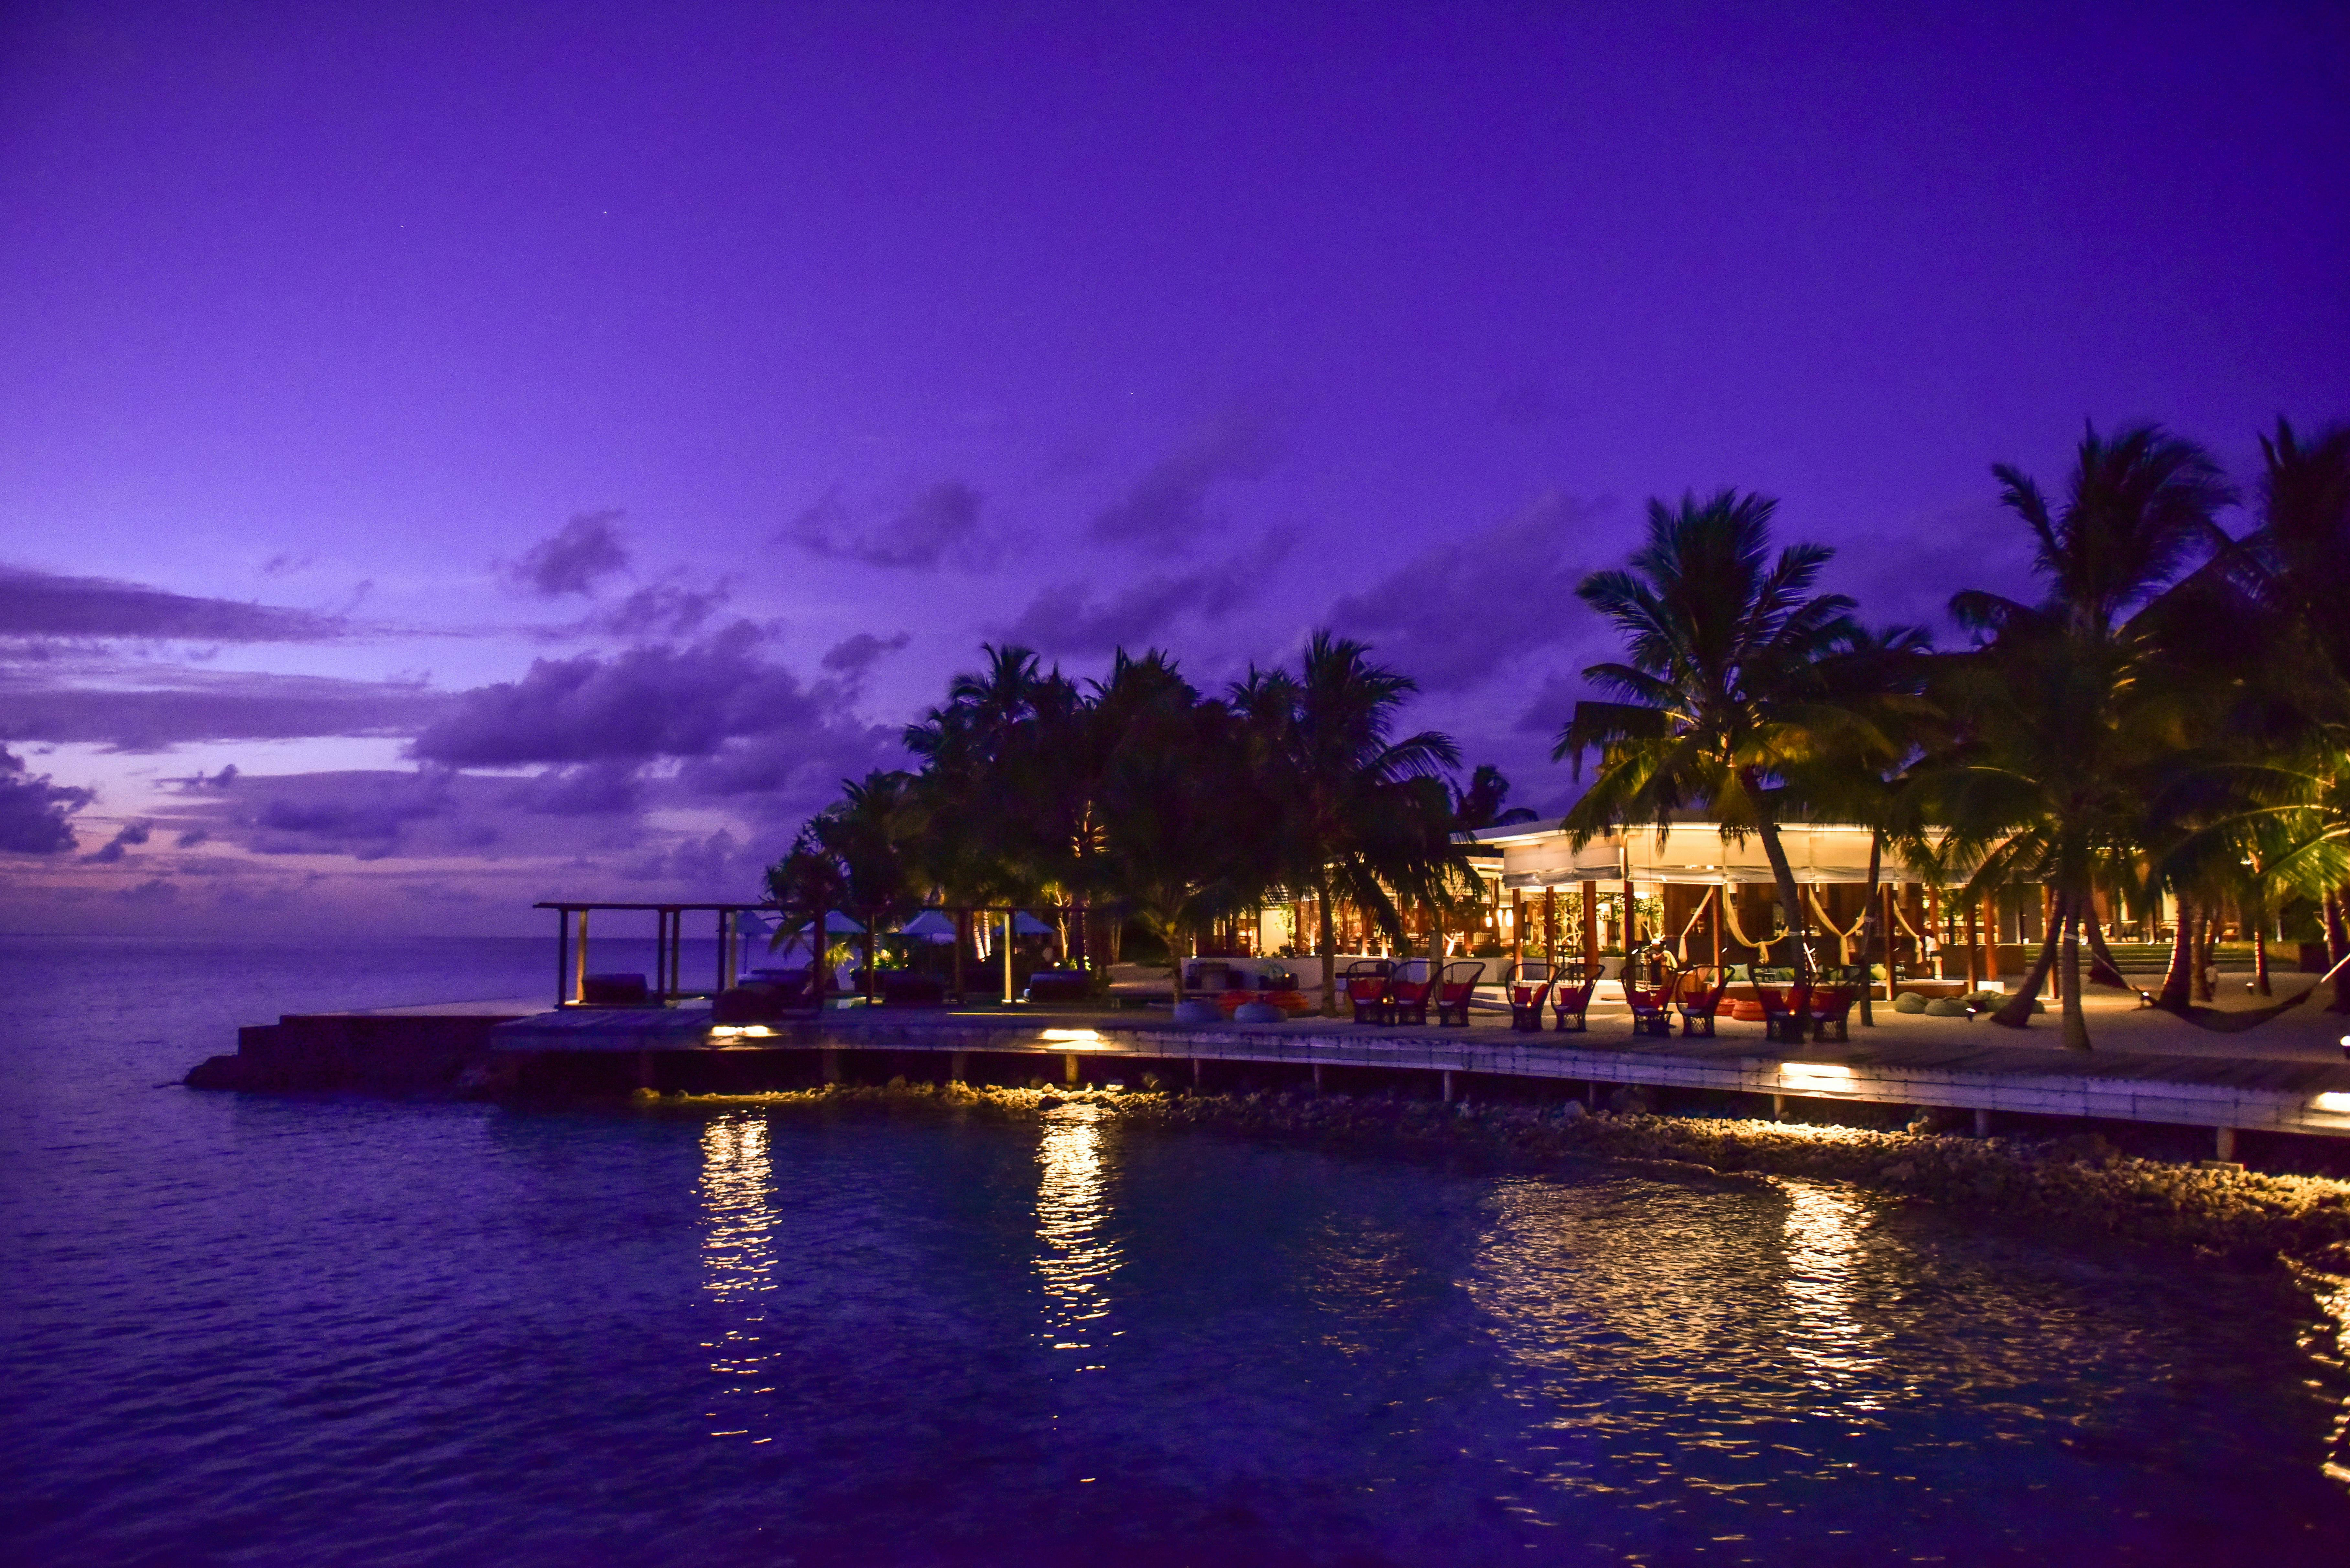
(1710, 895)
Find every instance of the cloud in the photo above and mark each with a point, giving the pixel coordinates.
(129, 708)
(654, 700)
(116, 848)
(715, 862)
(590, 790)
(572, 559)
(362, 814)
(942, 519)
(1908, 576)
(1066, 619)
(854, 655)
(1452, 616)
(33, 811)
(1168, 504)
(41, 604)
(660, 610)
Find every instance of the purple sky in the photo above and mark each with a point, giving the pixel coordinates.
(542, 454)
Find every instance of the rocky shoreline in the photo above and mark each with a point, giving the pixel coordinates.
(2080, 1182)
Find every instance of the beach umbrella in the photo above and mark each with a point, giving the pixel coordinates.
(931, 925)
(1027, 925)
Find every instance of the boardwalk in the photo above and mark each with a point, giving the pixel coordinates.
(2296, 1080)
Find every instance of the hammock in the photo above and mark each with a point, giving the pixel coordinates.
(2220, 1021)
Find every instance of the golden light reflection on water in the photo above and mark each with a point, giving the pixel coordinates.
(1829, 1338)
(738, 1261)
(2327, 1343)
(1076, 1253)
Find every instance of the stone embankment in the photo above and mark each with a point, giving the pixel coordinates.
(2076, 1183)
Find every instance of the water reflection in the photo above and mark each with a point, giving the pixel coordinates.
(738, 1263)
(1828, 1336)
(1076, 1253)
(2327, 1343)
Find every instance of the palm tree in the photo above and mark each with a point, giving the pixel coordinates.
(1363, 816)
(2071, 709)
(1723, 691)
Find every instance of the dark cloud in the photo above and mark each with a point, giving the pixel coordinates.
(574, 559)
(1168, 504)
(40, 604)
(155, 891)
(1454, 615)
(942, 521)
(713, 862)
(1906, 576)
(854, 655)
(361, 813)
(801, 767)
(192, 837)
(145, 709)
(592, 789)
(130, 833)
(650, 701)
(285, 564)
(661, 609)
(1066, 618)
(33, 811)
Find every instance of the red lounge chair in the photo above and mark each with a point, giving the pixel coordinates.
(1408, 997)
(1698, 1003)
(1784, 1012)
(1453, 994)
(1367, 992)
(1527, 995)
(1569, 1000)
(1648, 1005)
(1830, 1007)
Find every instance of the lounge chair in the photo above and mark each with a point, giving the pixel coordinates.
(1453, 991)
(1409, 990)
(1830, 1007)
(1698, 1002)
(1570, 999)
(1367, 991)
(1527, 993)
(1648, 1005)
(1784, 1012)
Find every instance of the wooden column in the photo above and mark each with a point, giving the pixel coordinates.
(1517, 929)
(1590, 931)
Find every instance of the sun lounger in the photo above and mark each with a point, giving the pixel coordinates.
(1453, 991)
(1409, 990)
(1571, 999)
(1367, 992)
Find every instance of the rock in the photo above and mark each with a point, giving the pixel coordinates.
(1629, 1101)
(1575, 1111)
(216, 1072)
(1050, 1102)
(1901, 1170)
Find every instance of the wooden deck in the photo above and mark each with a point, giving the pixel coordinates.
(1960, 1067)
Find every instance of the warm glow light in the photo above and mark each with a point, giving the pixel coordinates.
(2336, 1102)
(740, 1032)
(1075, 1036)
(1817, 1075)
(1076, 1250)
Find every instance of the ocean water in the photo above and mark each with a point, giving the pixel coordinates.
(331, 1330)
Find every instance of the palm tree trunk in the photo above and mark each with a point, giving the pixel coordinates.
(1868, 935)
(2337, 946)
(1784, 875)
(1328, 938)
(2259, 924)
(817, 945)
(2203, 927)
(2016, 1013)
(2179, 980)
(2076, 1026)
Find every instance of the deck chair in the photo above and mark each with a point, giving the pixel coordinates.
(1367, 991)
(1570, 999)
(1452, 992)
(1700, 1000)
(1829, 1007)
(1409, 990)
(1528, 991)
(1648, 1005)
(1784, 1011)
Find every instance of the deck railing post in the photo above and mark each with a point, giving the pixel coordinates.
(562, 957)
(579, 961)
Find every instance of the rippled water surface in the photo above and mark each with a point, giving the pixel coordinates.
(328, 1331)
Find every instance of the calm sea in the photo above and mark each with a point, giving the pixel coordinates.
(320, 1331)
